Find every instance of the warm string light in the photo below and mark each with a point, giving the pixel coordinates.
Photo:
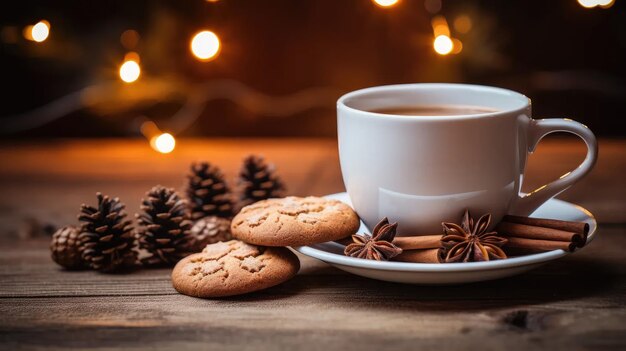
(386, 3)
(605, 4)
(443, 43)
(38, 32)
(163, 143)
(440, 26)
(130, 69)
(589, 4)
(205, 45)
(159, 141)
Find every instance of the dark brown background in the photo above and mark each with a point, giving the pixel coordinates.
(568, 59)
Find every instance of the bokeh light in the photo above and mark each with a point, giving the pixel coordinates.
(587, 3)
(129, 39)
(205, 45)
(386, 3)
(132, 56)
(440, 26)
(443, 45)
(457, 46)
(164, 143)
(462, 24)
(130, 71)
(38, 32)
(432, 6)
(605, 3)
(594, 3)
(149, 129)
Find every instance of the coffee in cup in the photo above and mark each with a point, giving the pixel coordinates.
(434, 110)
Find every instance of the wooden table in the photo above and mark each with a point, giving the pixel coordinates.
(576, 303)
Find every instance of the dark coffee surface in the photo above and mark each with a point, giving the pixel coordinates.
(435, 110)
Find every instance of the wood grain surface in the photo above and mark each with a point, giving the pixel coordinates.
(577, 303)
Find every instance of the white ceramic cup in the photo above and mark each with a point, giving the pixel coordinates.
(419, 171)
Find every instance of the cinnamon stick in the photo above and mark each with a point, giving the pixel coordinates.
(418, 256)
(407, 242)
(568, 226)
(509, 229)
(539, 245)
(418, 242)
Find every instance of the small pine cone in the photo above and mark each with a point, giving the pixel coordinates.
(65, 248)
(257, 181)
(106, 239)
(207, 192)
(164, 230)
(209, 230)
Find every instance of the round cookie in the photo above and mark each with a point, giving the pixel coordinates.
(233, 268)
(294, 221)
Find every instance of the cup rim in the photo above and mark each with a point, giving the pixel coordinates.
(341, 102)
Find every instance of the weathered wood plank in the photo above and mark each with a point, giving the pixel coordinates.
(287, 321)
(576, 303)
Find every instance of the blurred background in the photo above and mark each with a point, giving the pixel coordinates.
(166, 69)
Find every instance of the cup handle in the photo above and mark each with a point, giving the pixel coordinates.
(538, 129)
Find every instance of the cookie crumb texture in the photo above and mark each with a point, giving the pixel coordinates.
(294, 221)
(233, 268)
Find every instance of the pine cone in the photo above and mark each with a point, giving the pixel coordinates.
(65, 248)
(106, 237)
(209, 230)
(164, 230)
(208, 193)
(257, 181)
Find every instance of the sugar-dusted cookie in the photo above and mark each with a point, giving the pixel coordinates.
(294, 221)
(233, 268)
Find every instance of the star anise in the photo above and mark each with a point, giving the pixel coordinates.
(470, 242)
(377, 246)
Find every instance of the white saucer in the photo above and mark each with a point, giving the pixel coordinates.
(449, 273)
